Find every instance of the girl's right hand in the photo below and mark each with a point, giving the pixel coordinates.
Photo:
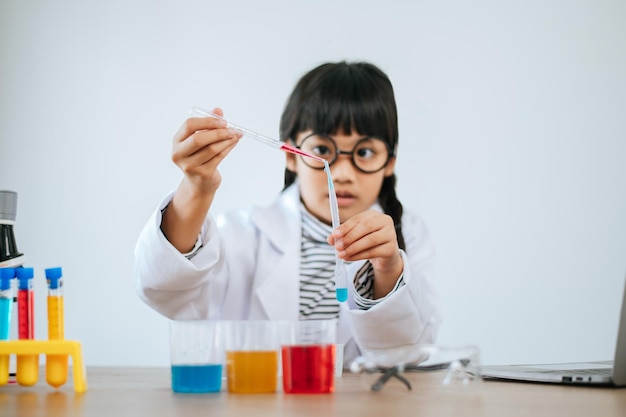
(199, 146)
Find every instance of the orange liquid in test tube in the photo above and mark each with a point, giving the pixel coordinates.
(56, 365)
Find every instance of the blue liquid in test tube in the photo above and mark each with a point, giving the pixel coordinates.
(6, 306)
(341, 294)
(6, 301)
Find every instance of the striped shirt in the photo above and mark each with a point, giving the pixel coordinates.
(317, 272)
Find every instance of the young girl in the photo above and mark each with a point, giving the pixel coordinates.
(277, 262)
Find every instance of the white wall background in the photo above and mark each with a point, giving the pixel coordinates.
(512, 147)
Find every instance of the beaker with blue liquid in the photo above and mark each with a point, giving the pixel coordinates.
(197, 356)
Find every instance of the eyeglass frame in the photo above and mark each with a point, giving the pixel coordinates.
(390, 153)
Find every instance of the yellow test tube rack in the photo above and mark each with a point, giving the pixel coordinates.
(45, 347)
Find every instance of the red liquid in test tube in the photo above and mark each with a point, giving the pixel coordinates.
(25, 304)
(27, 365)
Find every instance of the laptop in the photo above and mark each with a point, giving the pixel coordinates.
(601, 373)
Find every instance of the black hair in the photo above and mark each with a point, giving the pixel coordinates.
(346, 96)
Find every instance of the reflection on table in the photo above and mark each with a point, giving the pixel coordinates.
(147, 391)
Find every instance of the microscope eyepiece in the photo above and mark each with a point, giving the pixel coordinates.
(8, 205)
(10, 257)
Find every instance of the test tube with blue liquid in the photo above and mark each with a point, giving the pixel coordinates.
(6, 307)
(341, 276)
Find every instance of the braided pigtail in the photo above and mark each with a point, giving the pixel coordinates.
(392, 206)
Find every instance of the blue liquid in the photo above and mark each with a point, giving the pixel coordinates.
(341, 294)
(196, 378)
(5, 318)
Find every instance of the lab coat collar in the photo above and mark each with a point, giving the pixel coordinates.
(279, 288)
(285, 209)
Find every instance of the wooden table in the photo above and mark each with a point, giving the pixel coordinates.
(118, 392)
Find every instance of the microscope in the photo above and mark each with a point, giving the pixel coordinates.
(10, 257)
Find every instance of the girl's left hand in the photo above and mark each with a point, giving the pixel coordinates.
(370, 235)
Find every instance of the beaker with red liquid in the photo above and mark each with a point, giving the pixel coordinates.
(308, 357)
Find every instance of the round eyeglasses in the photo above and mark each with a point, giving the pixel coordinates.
(369, 155)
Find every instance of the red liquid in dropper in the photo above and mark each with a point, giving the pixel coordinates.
(289, 148)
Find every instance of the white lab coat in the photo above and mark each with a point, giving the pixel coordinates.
(248, 268)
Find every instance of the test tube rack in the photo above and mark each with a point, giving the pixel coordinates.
(46, 347)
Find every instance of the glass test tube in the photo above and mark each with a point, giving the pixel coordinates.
(6, 306)
(341, 276)
(56, 365)
(27, 365)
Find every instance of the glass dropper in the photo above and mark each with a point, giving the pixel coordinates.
(277, 144)
(341, 278)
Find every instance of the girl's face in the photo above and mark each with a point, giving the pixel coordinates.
(356, 191)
